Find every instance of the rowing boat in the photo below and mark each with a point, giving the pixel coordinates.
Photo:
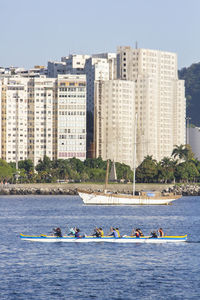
(110, 239)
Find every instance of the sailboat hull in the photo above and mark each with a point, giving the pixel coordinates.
(122, 199)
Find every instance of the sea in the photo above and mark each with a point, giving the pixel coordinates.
(33, 270)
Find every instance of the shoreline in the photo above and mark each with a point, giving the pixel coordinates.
(71, 188)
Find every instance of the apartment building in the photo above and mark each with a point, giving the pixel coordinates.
(42, 127)
(14, 118)
(159, 99)
(71, 116)
(55, 68)
(75, 63)
(114, 120)
(43, 116)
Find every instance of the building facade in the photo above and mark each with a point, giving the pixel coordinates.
(43, 116)
(159, 99)
(71, 117)
(114, 120)
(14, 118)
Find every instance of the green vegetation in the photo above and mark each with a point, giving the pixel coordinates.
(191, 75)
(180, 167)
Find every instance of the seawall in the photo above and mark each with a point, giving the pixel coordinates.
(71, 189)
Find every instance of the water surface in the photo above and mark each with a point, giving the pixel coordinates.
(97, 271)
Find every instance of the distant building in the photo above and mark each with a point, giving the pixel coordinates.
(14, 118)
(43, 116)
(114, 120)
(75, 63)
(159, 99)
(71, 117)
(194, 141)
(56, 68)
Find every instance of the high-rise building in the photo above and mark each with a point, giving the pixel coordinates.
(43, 116)
(159, 99)
(71, 117)
(14, 118)
(42, 127)
(95, 69)
(114, 120)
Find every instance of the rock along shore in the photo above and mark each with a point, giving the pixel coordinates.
(71, 189)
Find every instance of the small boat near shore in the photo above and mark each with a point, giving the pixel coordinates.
(107, 239)
(144, 198)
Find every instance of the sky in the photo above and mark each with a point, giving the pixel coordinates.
(36, 31)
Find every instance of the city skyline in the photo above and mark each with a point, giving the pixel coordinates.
(35, 32)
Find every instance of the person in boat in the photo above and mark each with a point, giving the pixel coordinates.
(96, 232)
(114, 233)
(101, 231)
(117, 229)
(57, 232)
(154, 235)
(161, 232)
(72, 231)
(77, 233)
(137, 233)
(140, 232)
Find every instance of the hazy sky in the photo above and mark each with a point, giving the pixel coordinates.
(35, 31)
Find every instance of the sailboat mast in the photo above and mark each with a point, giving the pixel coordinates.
(134, 153)
(107, 173)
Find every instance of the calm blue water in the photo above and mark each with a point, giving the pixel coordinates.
(97, 271)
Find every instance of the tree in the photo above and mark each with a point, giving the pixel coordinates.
(6, 171)
(166, 168)
(186, 171)
(124, 172)
(44, 165)
(182, 152)
(26, 164)
(147, 170)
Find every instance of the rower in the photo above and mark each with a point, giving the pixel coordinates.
(117, 230)
(101, 231)
(57, 232)
(137, 233)
(161, 232)
(96, 232)
(77, 233)
(114, 233)
(140, 232)
(153, 234)
(72, 232)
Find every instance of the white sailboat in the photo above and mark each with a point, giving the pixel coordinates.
(144, 198)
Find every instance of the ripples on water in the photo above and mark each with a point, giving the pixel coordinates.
(97, 271)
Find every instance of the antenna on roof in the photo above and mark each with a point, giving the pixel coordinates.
(136, 45)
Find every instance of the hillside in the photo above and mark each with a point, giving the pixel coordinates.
(191, 75)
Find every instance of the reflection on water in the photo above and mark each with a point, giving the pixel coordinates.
(102, 270)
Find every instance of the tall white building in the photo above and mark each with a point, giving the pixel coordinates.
(43, 116)
(159, 99)
(95, 69)
(71, 117)
(14, 118)
(114, 120)
(42, 127)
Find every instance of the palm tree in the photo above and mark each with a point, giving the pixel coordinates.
(167, 169)
(182, 152)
